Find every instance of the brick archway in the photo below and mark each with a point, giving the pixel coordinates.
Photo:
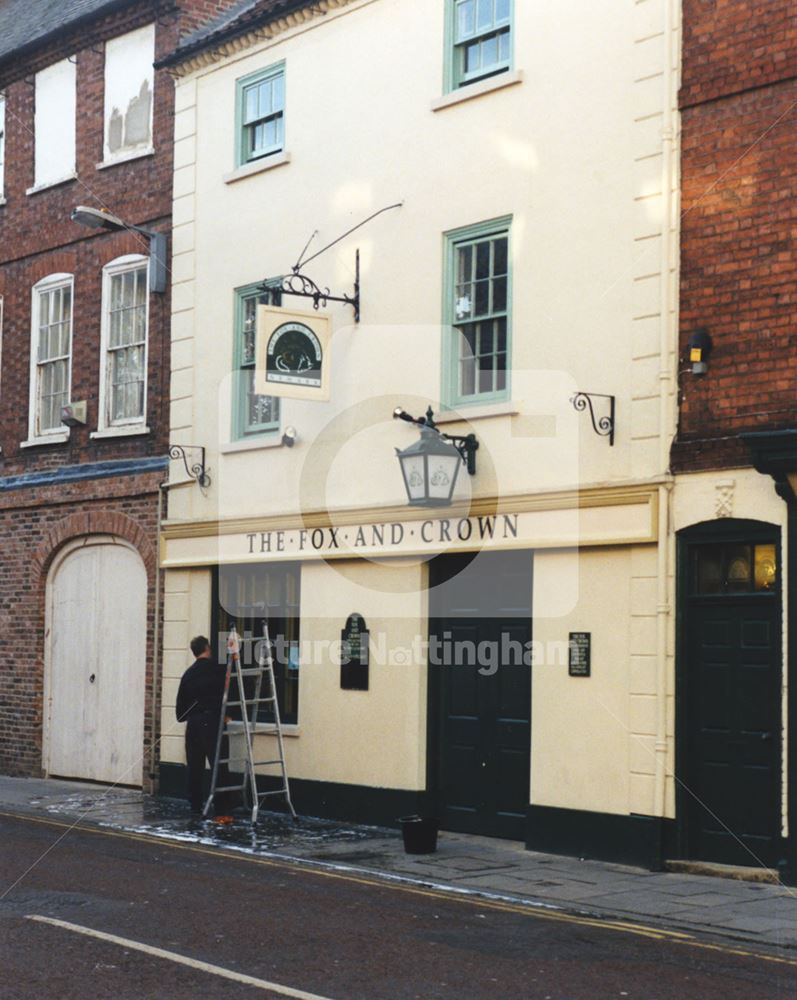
(101, 522)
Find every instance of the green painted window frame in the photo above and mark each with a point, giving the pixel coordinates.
(241, 428)
(454, 78)
(242, 85)
(454, 239)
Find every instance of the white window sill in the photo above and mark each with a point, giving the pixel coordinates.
(471, 90)
(469, 413)
(119, 432)
(133, 154)
(266, 729)
(50, 184)
(59, 438)
(257, 167)
(272, 440)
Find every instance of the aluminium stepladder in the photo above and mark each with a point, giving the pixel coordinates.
(249, 710)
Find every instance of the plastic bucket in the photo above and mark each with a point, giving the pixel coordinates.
(420, 835)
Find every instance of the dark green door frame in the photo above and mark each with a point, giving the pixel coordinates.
(709, 532)
(774, 453)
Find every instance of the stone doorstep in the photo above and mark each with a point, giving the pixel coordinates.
(738, 872)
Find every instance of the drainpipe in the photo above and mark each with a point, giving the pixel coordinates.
(156, 631)
(668, 315)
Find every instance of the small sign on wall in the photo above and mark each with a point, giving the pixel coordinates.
(579, 660)
(292, 354)
(354, 640)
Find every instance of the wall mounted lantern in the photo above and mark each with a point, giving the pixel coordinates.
(95, 218)
(430, 466)
(700, 345)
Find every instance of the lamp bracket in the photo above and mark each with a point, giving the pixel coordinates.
(466, 444)
(603, 426)
(304, 287)
(198, 470)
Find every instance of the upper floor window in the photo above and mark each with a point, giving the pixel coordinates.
(129, 82)
(252, 413)
(54, 124)
(480, 39)
(2, 144)
(123, 378)
(261, 114)
(51, 354)
(477, 313)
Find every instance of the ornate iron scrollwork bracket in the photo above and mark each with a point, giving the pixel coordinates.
(304, 287)
(603, 426)
(196, 471)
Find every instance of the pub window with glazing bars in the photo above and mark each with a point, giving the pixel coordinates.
(480, 46)
(248, 597)
(261, 114)
(252, 413)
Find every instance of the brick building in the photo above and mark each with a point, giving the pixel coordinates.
(735, 527)
(84, 120)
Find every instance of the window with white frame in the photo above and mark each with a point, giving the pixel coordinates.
(54, 124)
(123, 378)
(51, 354)
(480, 39)
(261, 114)
(2, 144)
(129, 84)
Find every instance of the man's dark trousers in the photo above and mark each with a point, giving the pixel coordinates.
(201, 732)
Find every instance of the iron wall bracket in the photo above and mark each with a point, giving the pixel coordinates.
(198, 470)
(603, 426)
(304, 287)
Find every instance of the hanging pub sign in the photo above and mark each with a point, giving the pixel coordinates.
(292, 354)
(354, 640)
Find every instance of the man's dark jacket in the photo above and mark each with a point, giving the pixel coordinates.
(201, 690)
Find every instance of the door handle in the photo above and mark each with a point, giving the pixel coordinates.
(766, 737)
(92, 678)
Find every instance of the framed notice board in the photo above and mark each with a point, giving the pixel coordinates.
(354, 640)
(579, 658)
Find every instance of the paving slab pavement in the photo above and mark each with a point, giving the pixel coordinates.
(752, 912)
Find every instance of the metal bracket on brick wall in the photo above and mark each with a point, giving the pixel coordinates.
(196, 471)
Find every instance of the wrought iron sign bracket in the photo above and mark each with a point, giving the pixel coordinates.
(603, 426)
(304, 287)
(198, 470)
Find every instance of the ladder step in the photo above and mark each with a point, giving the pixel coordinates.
(279, 791)
(228, 788)
(263, 763)
(250, 701)
(252, 671)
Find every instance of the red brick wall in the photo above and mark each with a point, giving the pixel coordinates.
(33, 526)
(37, 238)
(739, 181)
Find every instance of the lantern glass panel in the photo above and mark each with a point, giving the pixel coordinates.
(414, 469)
(443, 471)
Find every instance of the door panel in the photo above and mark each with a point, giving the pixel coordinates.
(97, 662)
(734, 730)
(481, 616)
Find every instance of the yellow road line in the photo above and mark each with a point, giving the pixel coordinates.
(173, 956)
(525, 909)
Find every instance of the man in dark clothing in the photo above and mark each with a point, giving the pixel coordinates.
(199, 705)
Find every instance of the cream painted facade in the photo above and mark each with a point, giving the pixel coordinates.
(578, 144)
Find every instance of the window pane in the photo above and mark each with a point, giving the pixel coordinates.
(468, 378)
(503, 47)
(465, 19)
(484, 16)
(485, 378)
(738, 572)
(500, 255)
(250, 99)
(482, 298)
(766, 574)
(500, 375)
(499, 295)
(278, 93)
(501, 332)
(483, 259)
(501, 11)
(472, 62)
(489, 54)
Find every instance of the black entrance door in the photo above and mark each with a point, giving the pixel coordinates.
(480, 692)
(732, 678)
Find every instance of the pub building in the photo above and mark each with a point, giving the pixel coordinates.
(470, 605)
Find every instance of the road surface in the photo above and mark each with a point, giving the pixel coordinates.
(93, 914)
